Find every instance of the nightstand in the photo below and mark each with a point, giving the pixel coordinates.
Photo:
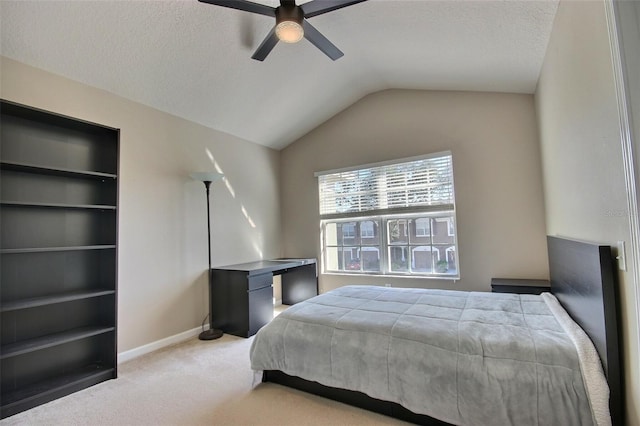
(519, 286)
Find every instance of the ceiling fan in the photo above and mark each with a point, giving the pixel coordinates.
(291, 22)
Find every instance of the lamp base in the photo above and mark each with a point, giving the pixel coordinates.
(210, 334)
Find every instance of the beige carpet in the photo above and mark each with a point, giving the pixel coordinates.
(194, 383)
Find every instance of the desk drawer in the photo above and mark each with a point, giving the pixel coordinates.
(259, 281)
(260, 309)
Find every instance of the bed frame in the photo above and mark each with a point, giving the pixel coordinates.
(582, 278)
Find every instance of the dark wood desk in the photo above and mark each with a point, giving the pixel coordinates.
(242, 295)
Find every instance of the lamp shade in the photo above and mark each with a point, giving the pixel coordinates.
(289, 31)
(206, 176)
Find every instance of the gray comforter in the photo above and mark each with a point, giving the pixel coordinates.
(464, 358)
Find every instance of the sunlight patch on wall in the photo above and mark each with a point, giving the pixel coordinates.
(219, 170)
(258, 250)
(246, 215)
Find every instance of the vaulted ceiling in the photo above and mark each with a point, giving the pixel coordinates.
(193, 59)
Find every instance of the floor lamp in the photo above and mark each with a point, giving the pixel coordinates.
(207, 178)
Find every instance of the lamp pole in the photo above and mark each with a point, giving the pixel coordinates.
(207, 178)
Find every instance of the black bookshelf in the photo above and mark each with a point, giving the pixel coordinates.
(58, 255)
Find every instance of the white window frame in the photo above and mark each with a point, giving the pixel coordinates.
(360, 195)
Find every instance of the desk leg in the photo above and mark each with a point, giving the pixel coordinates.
(299, 284)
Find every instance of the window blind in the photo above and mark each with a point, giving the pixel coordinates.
(404, 184)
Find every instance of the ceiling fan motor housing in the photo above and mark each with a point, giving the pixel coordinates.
(290, 13)
(289, 23)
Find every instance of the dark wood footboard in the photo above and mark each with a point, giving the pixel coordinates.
(354, 398)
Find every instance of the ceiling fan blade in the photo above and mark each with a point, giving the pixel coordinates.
(318, 7)
(247, 6)
(266, 46)
(320, 41)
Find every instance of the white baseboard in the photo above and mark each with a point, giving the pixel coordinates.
(158, 344)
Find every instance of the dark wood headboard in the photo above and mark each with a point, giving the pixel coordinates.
(583, 280)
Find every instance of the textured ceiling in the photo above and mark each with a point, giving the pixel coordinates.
(193, 59)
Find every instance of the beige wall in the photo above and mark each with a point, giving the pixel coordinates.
(162, 256)
(584, 185)
(496, 160)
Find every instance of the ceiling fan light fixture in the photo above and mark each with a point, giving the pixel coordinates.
(289, 23)
(289, 31)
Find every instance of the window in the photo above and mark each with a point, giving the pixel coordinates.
(395, 218)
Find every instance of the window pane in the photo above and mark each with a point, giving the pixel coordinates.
(443, 230)
(369, 234)
(333, 259)
(331, 234)
(347, 233)
(366, 229)
(351, 259)
(397, 231)
(399, 259)
(423, 258)
(447, 263)
(370, 257)
(420, 231)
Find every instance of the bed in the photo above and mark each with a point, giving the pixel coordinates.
(450, 357)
